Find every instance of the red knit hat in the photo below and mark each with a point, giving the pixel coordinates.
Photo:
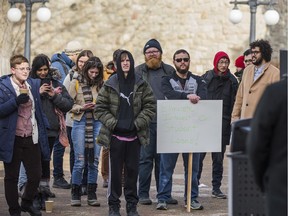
(239, 62)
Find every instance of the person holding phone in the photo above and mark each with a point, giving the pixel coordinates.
(84, 90)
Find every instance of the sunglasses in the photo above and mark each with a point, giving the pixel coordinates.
(182, 59)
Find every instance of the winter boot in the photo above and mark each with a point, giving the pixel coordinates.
(114, 210)
(131, 209)
(92, 197)
(76, 195)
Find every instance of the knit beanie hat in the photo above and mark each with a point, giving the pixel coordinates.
(152, 43)
(73, 48)
(239, 62)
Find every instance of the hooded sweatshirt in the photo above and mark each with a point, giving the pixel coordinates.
(217, 58)
(125, 125)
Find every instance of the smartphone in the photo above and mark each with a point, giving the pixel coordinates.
(46, 80)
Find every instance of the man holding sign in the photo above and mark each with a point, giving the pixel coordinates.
(181, 85)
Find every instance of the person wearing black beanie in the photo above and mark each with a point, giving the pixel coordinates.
(125, 105)
(152, 70)
(152, 43)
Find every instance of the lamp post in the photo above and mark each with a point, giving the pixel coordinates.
(271, 16)
(14, 15)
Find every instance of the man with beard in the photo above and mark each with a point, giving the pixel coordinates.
(256, 78)
(152, 71)
(181, 85)
(221, 85)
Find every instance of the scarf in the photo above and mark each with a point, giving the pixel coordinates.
(63, 138)
(89, 143)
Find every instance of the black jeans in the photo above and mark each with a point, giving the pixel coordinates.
(29, 153)
(127, 154)
(217, 167)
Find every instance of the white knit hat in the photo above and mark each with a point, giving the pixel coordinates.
(73, 48)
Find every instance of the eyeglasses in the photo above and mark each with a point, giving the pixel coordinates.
(182, 59)
(255, 52)
(152, 52)
(223, 62)
(23, 69)
(248, 60)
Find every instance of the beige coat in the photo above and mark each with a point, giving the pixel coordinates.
(76, 93)
(249, 91)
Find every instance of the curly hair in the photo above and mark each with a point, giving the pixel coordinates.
(265, 48)
(93, 62)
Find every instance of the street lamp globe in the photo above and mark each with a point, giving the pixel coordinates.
(235, 16)
(14, 14)
(43, 14)
(271, 17)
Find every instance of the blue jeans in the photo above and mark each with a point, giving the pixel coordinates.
(58, 154)
(22, 177)
(167, 166)
(148, 158)
(78, 139)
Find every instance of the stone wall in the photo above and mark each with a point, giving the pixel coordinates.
(200, 26)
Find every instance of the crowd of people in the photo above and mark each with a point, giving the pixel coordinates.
(74, 100)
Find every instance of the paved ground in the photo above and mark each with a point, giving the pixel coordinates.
(212, 206)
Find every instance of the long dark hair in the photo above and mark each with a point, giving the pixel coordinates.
(93, 62)
(38, 62)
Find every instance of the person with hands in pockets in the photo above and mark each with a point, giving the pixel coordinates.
(125, 106)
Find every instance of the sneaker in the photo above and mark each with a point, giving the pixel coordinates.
(131, 209)
(172, 201)
(60, 182)
(202, 185)
(195, 205)
(114, 210)
(162, 205)
(218, 194)
(145, 201)
(46, 190)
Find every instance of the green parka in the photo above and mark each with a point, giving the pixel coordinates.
(107, 106)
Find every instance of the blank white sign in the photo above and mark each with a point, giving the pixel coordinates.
(183, 127)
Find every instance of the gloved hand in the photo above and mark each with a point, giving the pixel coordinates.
(22, 98)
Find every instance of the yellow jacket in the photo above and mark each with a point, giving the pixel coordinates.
(107, 73)
(249, 91)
